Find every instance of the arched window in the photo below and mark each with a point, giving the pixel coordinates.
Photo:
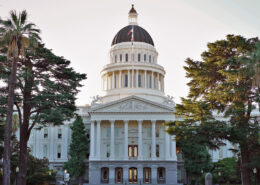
(126, 57)
(161, 175)
(119, 175)
(139, 57)
(132, 175)
(147, 175)
(104, 175)
(59, 151)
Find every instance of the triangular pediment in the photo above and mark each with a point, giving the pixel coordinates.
(132, 104)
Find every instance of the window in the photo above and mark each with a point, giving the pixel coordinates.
(59, 151)
(116, 59)
(121, 57)
(132, 175)
(161, 175)
(104, 175)
(45, 151)
(149, 151)
(144, 57)
(150, 59)
(139, 57)
(139, 81)
(119, 175)
(148, 132)
(147, 175)
(157, 132)
(108, 132)
(126, 57)
(150, 81)
(108, 151)
(116, 132)
(126, 80)
(157, 150)
(59, 133)
(132, 151)
(45, 133)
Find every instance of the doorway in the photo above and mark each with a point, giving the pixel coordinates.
(119, 175)
(132, 175)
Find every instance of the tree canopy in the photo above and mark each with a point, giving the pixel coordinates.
(223, 101)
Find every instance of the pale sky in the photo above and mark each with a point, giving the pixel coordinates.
(82, 31)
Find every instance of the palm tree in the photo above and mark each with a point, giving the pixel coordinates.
(16, 35)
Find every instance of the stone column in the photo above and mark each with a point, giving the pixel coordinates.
(128, 78)
(107, 81)
(113, 80)
(153, 140)
(126, 140)
(133, 74)
(140, 140)
(173, 148)
(125, 174)
(163, 83)
(167, 144)
(92, 140)
(120, 79)
(136, 80)
(112, 140)
(145, 79)
(154, 174)
(98, 141)
(152, 80)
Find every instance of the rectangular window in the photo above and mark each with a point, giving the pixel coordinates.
(45, 151)
(157, 150)
(116, 132)
(139, 81)
(139, 57)
(149, 151)
(126, 57)
(59, 151)
(126, 80)
(132, 150)
(148, 132)
(59, 133)
(45, 133)
(108, 132)
(157, 132)
(150, 58)
(144, 57)
(108, 151)
(121, 58)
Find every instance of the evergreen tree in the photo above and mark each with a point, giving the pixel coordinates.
(221, 85)
(79, 148)
(45, 94)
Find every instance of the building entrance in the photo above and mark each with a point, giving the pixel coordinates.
(132, 175)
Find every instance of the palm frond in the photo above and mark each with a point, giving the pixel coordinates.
(23, 17)
(14, 18)
(6, 23)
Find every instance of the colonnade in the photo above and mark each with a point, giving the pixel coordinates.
(149, 79)
(95, 141)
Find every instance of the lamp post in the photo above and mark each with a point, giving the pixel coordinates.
(16, 172)
(66, 177)
(255, 171)
(219, 174)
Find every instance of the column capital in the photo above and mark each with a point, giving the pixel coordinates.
(112, 121)
(126, 121)
(153, 121)
(140, 121)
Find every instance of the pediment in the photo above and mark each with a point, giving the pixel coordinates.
(132, 104)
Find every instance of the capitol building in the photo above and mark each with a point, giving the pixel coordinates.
(126, 126)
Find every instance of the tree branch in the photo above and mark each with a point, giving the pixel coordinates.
(19, 113)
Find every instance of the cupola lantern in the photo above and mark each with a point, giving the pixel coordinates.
(132, 16)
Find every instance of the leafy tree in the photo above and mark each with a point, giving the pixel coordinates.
(221, 85)
(79, 148)
(196, 158)
(46, 90)
(15, 34)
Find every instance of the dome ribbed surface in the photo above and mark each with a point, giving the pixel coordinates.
(140, 35)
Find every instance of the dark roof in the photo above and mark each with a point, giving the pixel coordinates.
(140, 35)
(133, 10)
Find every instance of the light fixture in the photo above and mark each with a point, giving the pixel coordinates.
(254, 170)
(17, 169)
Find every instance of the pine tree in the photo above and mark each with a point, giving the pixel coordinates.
(221, 85)
(79, 148)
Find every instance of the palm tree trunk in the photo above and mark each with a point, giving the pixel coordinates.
(8, 125)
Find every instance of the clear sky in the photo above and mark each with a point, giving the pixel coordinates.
(82, 31)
